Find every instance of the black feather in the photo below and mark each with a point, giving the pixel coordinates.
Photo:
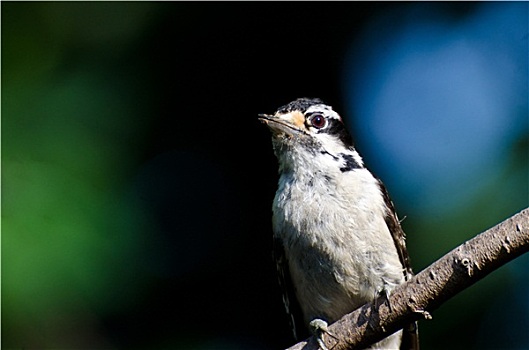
(337, 127)
(410, 333)
(292, 307)
(301, 104)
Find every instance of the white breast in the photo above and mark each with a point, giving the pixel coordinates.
(339, 248)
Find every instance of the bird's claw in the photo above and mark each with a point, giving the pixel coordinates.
(318, 328)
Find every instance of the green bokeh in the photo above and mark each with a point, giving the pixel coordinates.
(69, 132)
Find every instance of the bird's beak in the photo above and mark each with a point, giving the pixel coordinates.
(288, 123)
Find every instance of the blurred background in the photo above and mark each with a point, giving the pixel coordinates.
(137, 181)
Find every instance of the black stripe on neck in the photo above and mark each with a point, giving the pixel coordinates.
(350, 163)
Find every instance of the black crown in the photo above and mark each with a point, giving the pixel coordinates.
(301, 104)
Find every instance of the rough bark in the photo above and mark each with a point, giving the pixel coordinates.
(426, 291)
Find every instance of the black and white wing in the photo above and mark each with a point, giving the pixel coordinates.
(290, 300)
(410, 334)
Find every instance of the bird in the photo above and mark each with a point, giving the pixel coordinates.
(337, 240)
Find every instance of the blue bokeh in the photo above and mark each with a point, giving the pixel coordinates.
(440, 99)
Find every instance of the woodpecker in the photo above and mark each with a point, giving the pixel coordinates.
(338, 243)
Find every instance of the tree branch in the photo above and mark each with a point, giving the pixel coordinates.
(426, 291)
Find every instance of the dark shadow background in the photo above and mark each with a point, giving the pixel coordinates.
(137, 181)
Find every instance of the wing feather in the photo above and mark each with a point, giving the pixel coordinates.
(410, 334)
(290, 301)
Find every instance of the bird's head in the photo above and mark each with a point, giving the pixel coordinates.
(308, 125)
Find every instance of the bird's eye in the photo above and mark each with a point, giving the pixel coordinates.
(318, 121)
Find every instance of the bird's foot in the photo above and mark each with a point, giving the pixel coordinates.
(318, 327)
(385, 294)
